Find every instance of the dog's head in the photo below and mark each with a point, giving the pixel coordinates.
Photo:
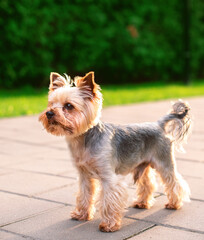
(72, 110)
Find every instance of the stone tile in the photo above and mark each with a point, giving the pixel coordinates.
(129, 113)
(165, 233)
(9, 160)
(51, 153)
(58, 152)
(20, 122)
(60, 144)
(195, 170)
(49, 166)
(189, 216)
(10, 236)
(65, 195)
(197, 187)
(30, 183)
(21, 135)
(193, 155)
(57, 225)
(72, 173)
(14, 207)
(196, 136)
(14, 151)
(195, 142)
(13, 147)
(12, 128)
(5, 171)
(22, 154)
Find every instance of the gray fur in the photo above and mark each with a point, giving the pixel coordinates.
(131, 145)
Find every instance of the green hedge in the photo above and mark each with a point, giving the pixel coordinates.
(122, 41)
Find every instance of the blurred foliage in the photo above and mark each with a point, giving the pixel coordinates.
(122, 41)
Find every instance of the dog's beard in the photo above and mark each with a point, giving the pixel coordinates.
(60, 129)
(70, 125)
(57, 126)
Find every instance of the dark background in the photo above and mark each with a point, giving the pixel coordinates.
(123, 41)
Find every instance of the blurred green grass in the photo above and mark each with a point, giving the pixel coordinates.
(28, 101)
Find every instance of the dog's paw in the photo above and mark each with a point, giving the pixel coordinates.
(141, 205)
(171, 206)
(108, 227)
(81, 215)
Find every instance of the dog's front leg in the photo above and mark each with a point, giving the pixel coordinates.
(86, 197)
(113, 202)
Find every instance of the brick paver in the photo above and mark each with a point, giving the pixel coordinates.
(38, 183)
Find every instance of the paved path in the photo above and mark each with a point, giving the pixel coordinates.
(38, 184)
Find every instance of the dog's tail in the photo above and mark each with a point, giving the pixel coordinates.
(177, 124)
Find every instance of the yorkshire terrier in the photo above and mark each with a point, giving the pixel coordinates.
(102, 151)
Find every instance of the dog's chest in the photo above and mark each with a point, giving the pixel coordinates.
(82, 158)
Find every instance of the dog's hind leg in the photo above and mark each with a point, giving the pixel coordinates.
(176, 187)
(144, 177)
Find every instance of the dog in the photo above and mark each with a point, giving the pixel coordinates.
(102, 151)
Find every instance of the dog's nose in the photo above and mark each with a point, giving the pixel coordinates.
(49, 114)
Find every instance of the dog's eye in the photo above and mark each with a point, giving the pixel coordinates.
(68, 106)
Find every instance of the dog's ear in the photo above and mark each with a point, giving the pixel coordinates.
(87, 82)
(56, 81)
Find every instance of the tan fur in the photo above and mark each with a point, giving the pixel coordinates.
(176, 189)
(86, 197)
(114, 198)
(146, 185)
